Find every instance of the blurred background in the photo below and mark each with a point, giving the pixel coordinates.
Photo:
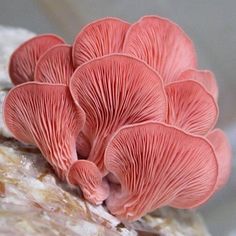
(211, 25)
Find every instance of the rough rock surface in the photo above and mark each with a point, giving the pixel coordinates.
(34, 202)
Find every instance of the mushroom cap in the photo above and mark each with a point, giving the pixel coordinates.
(191, 107)
(23, 60)
(223, 154)
(86, 175)
(162, 44)
(55, 65)
(113, 91)
(204, 77)
(46, 116)
(99, 38)
(158, 165)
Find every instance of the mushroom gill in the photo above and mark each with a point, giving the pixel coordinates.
(99, 38)
(191, 107)
(223, 154)
(86, 175)
(55, 65)
(162, 44)
(23, 60)
(46, 116)
(113, 91)
(158, 165)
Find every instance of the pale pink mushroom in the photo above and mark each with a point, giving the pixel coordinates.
(191, 107)
(158, 165)
(113, 91)
(204, 77)
(223, 154)
(55, 65)
(23, 60)
(85, 174)
(162, 44)
(46, 116)
(99, 38)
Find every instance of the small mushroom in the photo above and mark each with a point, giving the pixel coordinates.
(223, 154)
(55, 65)
(204, 77)
(158, 165)
(86, 175)
(162, 44)
(113, 91)
(23, 60)
(46, 116)
(191, 107)
(99, 38)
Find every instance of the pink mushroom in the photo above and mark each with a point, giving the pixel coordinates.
(158, 165)
(113, 91)
(99, 38)
(85, 174)
(25, 57)
(46, 116)
(204, 77)
(223, 154)
(55, 65)
(162, 44)
(191, 107)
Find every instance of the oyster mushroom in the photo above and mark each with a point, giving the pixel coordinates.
(223, 154)
(46, 116)
(191, 107)
(204, 77)
(99, 38)
(23, 60)
(113, 91)
(162, 44)
(85, 174)
(158, 165)
(55, 65)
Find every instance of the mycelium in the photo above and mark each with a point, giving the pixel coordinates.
(46, 116)
(23, 60)
(113, 91)
(147, 139)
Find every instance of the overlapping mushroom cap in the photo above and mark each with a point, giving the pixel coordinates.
(131, 100)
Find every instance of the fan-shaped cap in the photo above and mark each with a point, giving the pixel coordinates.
(162, 44)
(113, 91)
(23, 60)
(55, 65)
(85, 174)
(158, 165)
(99, 38)
(191, 107)
(223, 153)
(46, 116)
(204, 77)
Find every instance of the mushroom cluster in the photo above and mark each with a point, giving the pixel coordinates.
(123, 113)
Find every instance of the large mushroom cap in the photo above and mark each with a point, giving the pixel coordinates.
(113, 91)
(55, 65)
(46, 116)
(85, 174)
(223, 153)
(191, 107)
(162, 44)
(99, 38)
(23, 60)
(158, 165)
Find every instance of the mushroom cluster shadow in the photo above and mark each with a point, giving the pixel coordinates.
(124, 114)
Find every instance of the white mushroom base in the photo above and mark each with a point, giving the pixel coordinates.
(34, 202)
